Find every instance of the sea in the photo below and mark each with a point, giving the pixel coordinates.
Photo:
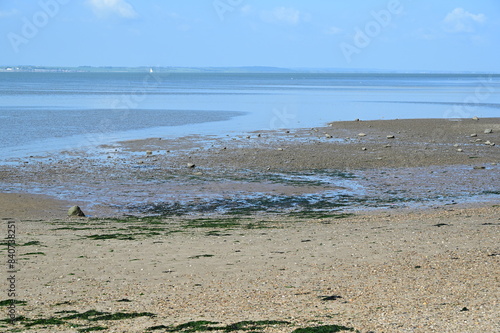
(43, 112)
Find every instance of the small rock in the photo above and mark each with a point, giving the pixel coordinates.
(75, 211)
(390, 137)
(280, 149)
(456, 145)
(364, 148)
(191, 165)
(388, 146)
(460, 150)
(479, 140)
(488, 131)
(473, 135)
(149, 152)
(361, 134)
(328, 136)
(479, 167)
(475, 118)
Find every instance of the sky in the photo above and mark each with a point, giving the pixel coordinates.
(400, 35)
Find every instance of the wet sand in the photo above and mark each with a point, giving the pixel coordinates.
(425, 161)
(405, 241)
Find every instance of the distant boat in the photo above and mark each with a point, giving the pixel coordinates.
(151, 70)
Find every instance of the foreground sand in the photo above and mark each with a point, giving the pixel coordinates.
(401, 272)
(424, 258)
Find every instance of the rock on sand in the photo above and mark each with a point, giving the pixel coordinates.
(75, 211)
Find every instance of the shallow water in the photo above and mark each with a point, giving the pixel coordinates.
(42, 112)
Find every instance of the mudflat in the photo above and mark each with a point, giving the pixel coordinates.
(367, 226)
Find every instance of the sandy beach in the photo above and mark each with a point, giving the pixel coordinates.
(363, 226)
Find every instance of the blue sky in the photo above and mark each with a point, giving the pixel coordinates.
(390, 34)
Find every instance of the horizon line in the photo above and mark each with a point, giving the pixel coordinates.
(253, 68)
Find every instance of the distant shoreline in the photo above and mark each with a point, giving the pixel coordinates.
(236, 70)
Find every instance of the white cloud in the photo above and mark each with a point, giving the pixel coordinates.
(118, 7)
(285, 15)
(460, 20)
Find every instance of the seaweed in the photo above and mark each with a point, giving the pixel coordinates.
(308, 214)
(201, 256)
(92, 329)
(8, 302)
(207, 326)
(111, 236)
(90, 316)
(32, 243)
(33, 254)
(45, 322)
(323, 329)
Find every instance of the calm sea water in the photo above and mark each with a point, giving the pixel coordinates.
(53, 111)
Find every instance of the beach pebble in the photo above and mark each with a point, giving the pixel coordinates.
(280, 149)
(488, 131)
(388, 146)
(75, 211)
(479, 167)
(191, 165)
(460, 150)
(473, 135)
(361, 134)
(390, 137)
